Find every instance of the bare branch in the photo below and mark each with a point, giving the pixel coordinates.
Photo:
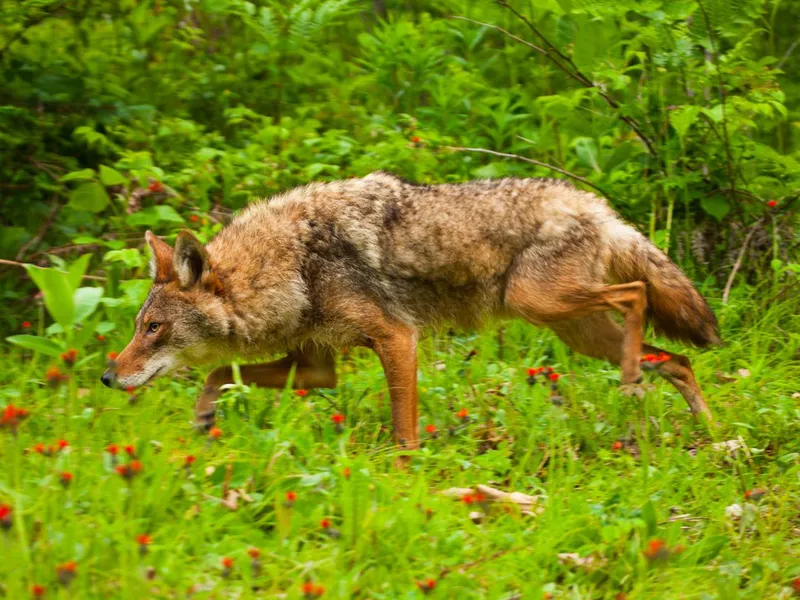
(583, 180)
(738, 264)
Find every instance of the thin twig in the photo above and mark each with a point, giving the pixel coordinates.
(504, 32)
(14, 263)
(738, 264)
(533, 162)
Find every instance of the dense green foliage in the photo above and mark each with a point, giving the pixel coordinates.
(117, 117)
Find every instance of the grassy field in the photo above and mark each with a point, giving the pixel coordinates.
(634, 500)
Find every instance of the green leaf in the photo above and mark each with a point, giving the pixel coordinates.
(717, 206)
(37, 344)
(91, 197)
(682, 118)
(77, 270)
(586, 149)
(109, 176)
(55, 286)
(153, 215)
(86, 300)
(650, 518)
(82, 175)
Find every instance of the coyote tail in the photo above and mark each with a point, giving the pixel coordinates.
(674, 307)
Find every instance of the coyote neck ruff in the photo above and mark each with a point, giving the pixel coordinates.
(372, 261)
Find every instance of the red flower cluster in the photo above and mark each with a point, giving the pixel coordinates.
(69, 357)
(427, 586)
(655, 359)
(112, 449)
(12, 416)
(26, 324)
(101, 338)
(227, 566)
(755, 494)
(346, 472)
(194, 218)
(616, 446)
(302, 393)
(476, 498)
(463, 415)
(55, 377)
(311, 590)
(66, 572)
(40, 448)
(112, 356)
(66, 478)
(430, 428)
(534, 371)
(156, 186)
(215, 433)
(658, 551)
(772, 203)
(189, 461)
(129, 471)
(5, 516)
(338, 418)
(143, 540)
(38, 590)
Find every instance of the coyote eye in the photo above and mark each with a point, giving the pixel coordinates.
(153, 327)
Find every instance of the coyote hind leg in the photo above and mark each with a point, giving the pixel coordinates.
(599, 336)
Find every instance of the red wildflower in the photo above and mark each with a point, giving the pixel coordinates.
(40, 448)
(311, 590)
(26, 324)
(427, 586)
(144, 539)
(554, 377)
(62, 444)
(656, 550)
(5, 516)
(215, 433)
(534, 371)
(38, 590)
(338, 418)
(194, 218)
(755, 494)
(468, 499)
(616, 446)
(112, 355)
(253, 553)
(302, 393)
(101, 338)
(112, 449)
(772, 203)
(155, 186)
(124, 471)
(291, 497)
(130, 450)
(415, 139)
(136, 466)
(54, 376)
(227, 562)
(189, 461)
(70, 566)
(663, 357)
(66, 478)
(430, 428)
(325, 524)
(463, 414)
(796, 585)
(69, 357)
(346, 472)
(66, 572)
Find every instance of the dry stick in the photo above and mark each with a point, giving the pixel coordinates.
(737, 265)
(14, 263)
(583, 79)
(533, 162)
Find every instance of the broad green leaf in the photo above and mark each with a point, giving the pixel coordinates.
(109, 176)
(82, 175)
(154, 215)
(37, 344)
(586, 149)
(91, 197)
(717, 206)
(682, 118)
(86, 300)
(77, 270)
(57, 291)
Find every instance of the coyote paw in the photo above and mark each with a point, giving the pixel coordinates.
(637, 390)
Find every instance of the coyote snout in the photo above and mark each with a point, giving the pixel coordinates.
(373, 261)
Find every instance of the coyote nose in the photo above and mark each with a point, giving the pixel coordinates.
(107, 378)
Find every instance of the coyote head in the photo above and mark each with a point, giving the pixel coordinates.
(181, 321)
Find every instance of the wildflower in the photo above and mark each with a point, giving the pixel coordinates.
(69, 357)
(194, 218)
(328, 529)
(463, 415)
(155, 186)
(40, 448)
(415, 139)
(311, 590)
(38, 590)
(62, 444)
(346, 472)
(616, 446)
(325, 524)
(215, 433)
(66, 478)
(130, 450)
(554, 377)
(189, 461)
(112, 356)
(227, 565)
(143, 540)
(26, 324)
(656, 550)
(431, 429)
(112, 449)
(427, 586)
(66, 572)
(796, 585)
(302, 393)
(290, 498)
(755, 494)
(255, 563)
(253, 552)
(100, 338)
(55, 377)
(130, 470)
(5, 516)
(131, 394)
(338, 422)
(136, 466)
(772, 203)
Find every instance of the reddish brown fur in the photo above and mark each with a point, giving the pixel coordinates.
(372, 261)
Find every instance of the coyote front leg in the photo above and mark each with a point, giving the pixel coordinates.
(313, 369)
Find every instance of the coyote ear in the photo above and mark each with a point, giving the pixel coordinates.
(161, 265)
(193, 265)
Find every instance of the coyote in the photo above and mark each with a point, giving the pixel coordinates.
(373, 261)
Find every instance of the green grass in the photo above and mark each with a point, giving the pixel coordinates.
(667, 482)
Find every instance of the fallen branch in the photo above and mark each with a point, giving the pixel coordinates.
(583, 180)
